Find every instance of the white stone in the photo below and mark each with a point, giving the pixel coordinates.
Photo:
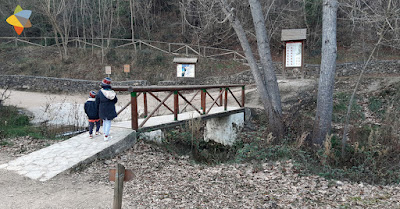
(155, 136)
(224, 129)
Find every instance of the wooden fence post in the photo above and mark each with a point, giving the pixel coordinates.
(145, 104)
(176, 105)
(119, 186)
(203, 100)
(226, 99)
(243, 96)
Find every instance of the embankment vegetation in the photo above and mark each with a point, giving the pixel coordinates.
(372, 156)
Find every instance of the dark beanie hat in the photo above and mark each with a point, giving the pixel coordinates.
(92, 94)
(106, 81)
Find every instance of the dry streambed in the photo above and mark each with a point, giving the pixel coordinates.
(168, 181)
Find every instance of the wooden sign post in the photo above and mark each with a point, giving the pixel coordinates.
(293, 52)
(127, 69)
(119, 175)
(185, 67)
(108, 70)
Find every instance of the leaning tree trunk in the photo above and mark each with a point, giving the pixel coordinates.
(266, 62)
(323, 118)
(275, 127)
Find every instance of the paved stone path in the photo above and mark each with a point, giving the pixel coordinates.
(50, 161)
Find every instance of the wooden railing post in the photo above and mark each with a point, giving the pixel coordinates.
(226, 99)
(203, 100)
(220, 98)
(145, 104)
(243, 96)
(135, 120)
(119, 186)
(176, 105)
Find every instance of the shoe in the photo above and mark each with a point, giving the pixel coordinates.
(98, 133)
(106, 138)
(91, 136)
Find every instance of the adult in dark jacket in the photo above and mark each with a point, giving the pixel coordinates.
(105, 101)
(92, 113)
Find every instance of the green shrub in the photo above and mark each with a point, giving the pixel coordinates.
(340, 104)
(376, 105)
(14, 123)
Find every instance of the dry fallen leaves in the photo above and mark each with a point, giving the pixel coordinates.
(167, 181)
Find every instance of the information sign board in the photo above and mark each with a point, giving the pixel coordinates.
(185, 70)
(293, 54)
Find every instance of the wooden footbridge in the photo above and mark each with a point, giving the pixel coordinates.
(217, 107)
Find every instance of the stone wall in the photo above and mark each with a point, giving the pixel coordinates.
(48, 84)
(384, 67)
(54, 85)
(311, 71)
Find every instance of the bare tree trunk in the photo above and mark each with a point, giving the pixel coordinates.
(52, 10)
(77, 24)
(83, 12)
(305, 18)
(266, 62)
(57, 43)
(323, 118)
(110, 25)
(267, 101)
(66, 26)
(101, 32)
(131, 7)
(183, 16)
(265, 54)
(92, 29)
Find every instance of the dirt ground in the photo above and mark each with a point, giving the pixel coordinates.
(61, 192)
(164, 180)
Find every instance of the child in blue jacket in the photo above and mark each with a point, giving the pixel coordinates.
(92, 113)
(105, 101)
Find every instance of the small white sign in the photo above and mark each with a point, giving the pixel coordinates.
(185, 70)
(293, 54)
(108, 70)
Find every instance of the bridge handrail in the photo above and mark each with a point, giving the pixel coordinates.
(171, 88)
(136, 91)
